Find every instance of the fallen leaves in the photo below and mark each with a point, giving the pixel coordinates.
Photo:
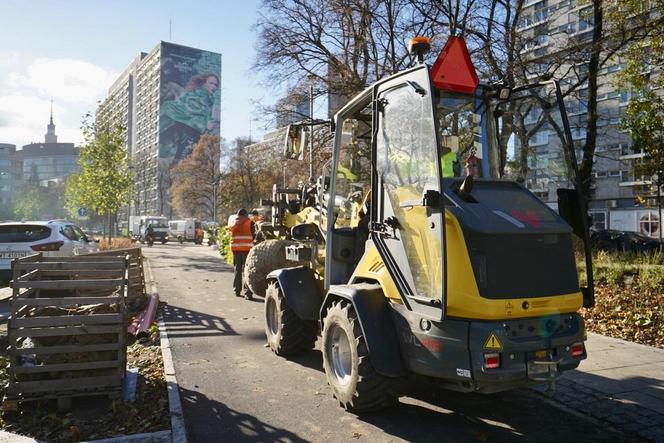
(631, 310)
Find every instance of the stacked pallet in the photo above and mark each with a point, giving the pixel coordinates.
(136, 293)
(67, 329)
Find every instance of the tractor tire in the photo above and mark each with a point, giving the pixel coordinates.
(350, 374)
(286, 333)
(264, 258)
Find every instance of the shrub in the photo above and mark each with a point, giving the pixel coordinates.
(116, 243)
(224, 241)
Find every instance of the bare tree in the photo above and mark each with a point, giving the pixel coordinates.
(195, 180)
(342, 45)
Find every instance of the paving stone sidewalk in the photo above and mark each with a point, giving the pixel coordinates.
(620, 384)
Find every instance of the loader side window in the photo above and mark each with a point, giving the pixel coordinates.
(351, 187)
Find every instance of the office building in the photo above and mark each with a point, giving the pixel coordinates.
(49, 161)
(292, 108)
(620, 198)
(8, 179)
(165, 99)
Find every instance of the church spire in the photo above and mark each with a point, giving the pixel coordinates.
(50, 129)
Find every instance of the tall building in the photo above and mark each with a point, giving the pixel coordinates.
(620, 198)
(8, 179)
(294, 107)
(165, 99)
(49, 161)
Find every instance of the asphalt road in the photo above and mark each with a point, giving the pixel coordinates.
(233, 388)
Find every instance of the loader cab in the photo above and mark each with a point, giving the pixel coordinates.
(437, 152)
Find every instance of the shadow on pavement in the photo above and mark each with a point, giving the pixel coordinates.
(632, 404)
(517, 415)
(198, 262)
(505, 417)
(225, 424)
(182, 322)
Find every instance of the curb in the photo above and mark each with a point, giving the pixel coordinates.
(178, 430)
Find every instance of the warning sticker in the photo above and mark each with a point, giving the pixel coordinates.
(492, 343)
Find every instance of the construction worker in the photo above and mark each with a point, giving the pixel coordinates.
(243, 232)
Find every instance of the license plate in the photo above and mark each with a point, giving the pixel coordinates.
(13, 254)
(542, 371)
(534, 368)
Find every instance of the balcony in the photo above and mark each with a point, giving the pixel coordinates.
(632, 156)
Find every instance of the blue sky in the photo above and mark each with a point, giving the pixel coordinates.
(72, 50)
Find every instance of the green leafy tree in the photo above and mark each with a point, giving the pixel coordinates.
(29, 206)
(105, 180)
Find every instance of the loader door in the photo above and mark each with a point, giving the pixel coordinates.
(408, 227)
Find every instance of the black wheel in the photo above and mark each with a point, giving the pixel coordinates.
(286, 333)
(180, 239)
(354, 381)
(163, 242)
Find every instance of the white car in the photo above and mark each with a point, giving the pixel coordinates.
(52, 238)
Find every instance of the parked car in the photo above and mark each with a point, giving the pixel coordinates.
(52, 238)
(622, 241)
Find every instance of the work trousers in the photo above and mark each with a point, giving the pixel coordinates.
(239, 258)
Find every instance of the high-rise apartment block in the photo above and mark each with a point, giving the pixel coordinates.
(165, 99)
(620, 198)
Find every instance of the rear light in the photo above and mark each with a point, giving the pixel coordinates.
(492, 361)
(45, 247)
(577, 349)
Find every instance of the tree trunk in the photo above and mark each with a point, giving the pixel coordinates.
(110, 228)
(593, 70)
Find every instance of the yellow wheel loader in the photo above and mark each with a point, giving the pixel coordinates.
(441, 249)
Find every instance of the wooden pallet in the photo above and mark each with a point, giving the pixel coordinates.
(136, 292)
(57, 348)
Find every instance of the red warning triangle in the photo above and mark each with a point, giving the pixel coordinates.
(453, 70)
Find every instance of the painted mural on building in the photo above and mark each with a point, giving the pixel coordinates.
(190, 99)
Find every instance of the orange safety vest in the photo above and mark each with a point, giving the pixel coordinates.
(241, 238)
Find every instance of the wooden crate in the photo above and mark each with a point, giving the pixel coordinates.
(136, 292)
(67, 329)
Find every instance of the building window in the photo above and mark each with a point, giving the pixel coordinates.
(649, 224)
(586, 19)
(578, 133)
(598, 220)
(539, 138)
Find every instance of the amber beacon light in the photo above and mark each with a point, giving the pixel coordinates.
(419, 46)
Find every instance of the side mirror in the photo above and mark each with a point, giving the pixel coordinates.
(570, 210)
(306, 231)
(96, 240)
(296, 140)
